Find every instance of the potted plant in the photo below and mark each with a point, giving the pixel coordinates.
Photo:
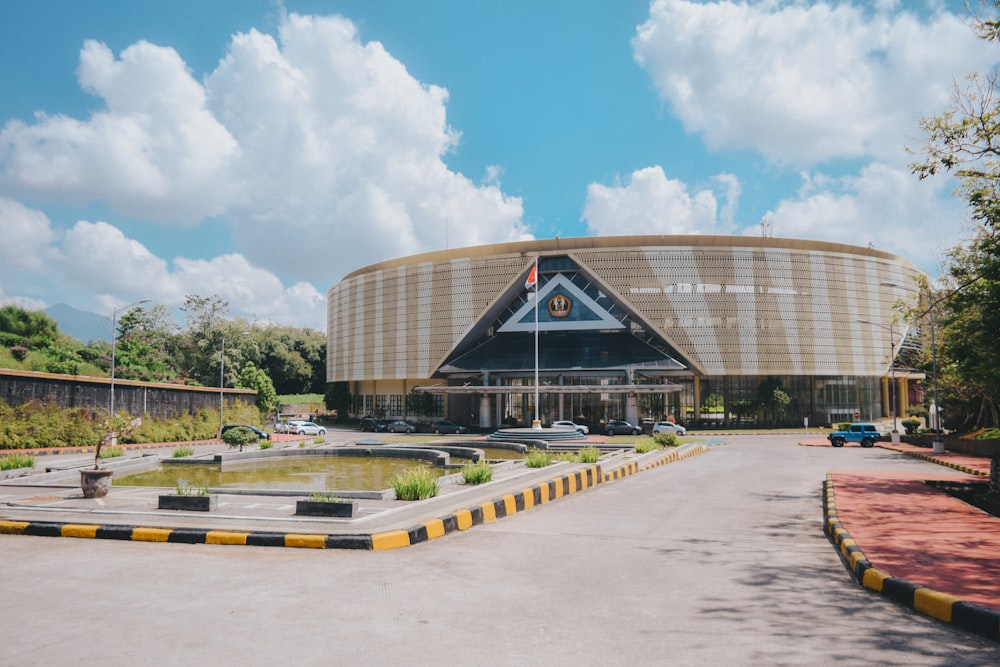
(326, 504)
(190, 498)
(96, 482)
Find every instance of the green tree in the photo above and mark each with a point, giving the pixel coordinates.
(338, 398)
(34, 326)
(964, 141)
(255, 378)
(142, 351)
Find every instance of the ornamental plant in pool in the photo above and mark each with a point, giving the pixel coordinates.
(477, 473)
(415, 484)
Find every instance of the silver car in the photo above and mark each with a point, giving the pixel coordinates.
(400, 427)
(668, 427)
(305, 428)
(582, 428)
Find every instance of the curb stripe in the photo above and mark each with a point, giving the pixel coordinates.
(941, 606)
(141, 534)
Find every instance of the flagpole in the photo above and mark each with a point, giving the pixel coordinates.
(537, 423)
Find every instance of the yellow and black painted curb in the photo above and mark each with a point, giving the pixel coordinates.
(942, 462)
(463, 519)
(941, 606)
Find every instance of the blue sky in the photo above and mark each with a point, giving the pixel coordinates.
(261, 150)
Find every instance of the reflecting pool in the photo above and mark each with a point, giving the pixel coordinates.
(293, 473)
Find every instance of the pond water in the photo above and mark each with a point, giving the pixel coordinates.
(294, 473)
(500, 453)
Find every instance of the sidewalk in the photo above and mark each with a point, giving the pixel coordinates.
(916, 544)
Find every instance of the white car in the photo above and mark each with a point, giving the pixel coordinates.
(668, 427)
(305, 428)
(568, 424)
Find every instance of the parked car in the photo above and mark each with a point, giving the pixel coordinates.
(619, 427)
(445, 426)
(371, 425)
(306, 428)
(864, 434)
(573, 425)
(263, 435)
(668, 427)
(400, 427)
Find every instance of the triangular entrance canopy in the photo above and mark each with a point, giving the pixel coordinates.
(582, 329)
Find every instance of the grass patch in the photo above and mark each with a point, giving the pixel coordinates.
(538, 458)
(181, 452)
(326, 497)
(589, 455)
(266, 444)
(13, 461)
(300, 399)
(477, 473)
(647, 445)
(415, 484)
(112, 451)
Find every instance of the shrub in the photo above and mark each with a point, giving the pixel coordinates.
(666, 439)
(12, 461)
(477, 473)
(266, 444)
(538, 458)
(589, 455)
(239, 436)
(191, 489)
(911, 425)
(181, 452)
(415, 484)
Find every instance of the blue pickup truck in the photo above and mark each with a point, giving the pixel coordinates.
(864, 434)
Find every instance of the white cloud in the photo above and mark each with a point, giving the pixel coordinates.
(21, 301)
(253, 292)
(804, 82)
(27, 237)
(319, 151)
(884, 206)
(155, 153)
(342, 154)
(650, 203)
(99, 258)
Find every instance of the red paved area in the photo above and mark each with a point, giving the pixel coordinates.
(915, 532)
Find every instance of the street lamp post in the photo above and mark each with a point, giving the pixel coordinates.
(938, 443)
(892, 374)
(114, 338)
(222, 372)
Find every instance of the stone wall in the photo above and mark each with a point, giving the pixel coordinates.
(137, 398)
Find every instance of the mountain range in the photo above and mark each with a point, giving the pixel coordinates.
(81, 324)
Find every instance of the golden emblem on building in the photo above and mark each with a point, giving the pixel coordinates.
(560, 305)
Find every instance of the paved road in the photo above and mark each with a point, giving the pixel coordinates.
(718, 559)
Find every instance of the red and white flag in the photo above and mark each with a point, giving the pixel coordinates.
(532, 277)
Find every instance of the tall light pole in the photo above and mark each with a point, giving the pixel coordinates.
(938, 443)
(114, 338)
(222, 375)
(892, 375)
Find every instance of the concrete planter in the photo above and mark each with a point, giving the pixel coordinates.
(95, 482)
(343, 509)
(189, 503)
